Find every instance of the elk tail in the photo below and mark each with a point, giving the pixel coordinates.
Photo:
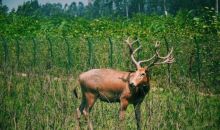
(75, 93)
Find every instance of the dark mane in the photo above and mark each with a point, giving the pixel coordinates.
(130, 71)
(127, 78)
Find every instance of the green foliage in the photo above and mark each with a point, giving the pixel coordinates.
(207, 21)
(3, 9)
(180, 30)
(46, 102)
(41, 58)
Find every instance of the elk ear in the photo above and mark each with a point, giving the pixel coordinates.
(146, 70)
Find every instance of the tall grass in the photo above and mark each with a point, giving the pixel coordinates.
(46, 102)
(40, 97)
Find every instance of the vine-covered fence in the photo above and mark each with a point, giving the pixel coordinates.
(69, 54)
(45, 100)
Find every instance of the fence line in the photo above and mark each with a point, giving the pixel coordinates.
(110, 52)
(138, 52)
(5, 49)
(34, 52)
(198, 61)
(168, 65)
(69, 60)
(17, 53)
(50, 52)
(90, 55)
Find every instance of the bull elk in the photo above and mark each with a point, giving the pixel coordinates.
(118, 86)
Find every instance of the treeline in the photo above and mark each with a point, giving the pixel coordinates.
(109, 8)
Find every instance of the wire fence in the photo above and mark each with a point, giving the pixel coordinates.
(72, 53)
(69, 54)
(46, 102)
(63, 53)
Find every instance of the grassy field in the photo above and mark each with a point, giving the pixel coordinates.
(35, 99)
(41, 58)
(46, 102)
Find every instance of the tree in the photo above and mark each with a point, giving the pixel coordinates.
(137, 6)
(165, 7)
(3, 9)
(72, 9)
(81, 9)
(52, 9)
(28, 8)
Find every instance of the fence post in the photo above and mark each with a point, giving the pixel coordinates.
(90, 60)
(110, 52)
(17, 53)
(198, 58)
(5, 49)
(69, 62)
(34, 51)
(50, 52)
(138, 52)
(168, 65)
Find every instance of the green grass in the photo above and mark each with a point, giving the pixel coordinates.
(39, 96)
(46, 102)
(42, 97)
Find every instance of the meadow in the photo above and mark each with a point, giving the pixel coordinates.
(41, 59)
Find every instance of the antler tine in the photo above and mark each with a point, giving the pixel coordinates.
(168, 59)
(164, 57)
(132, 51)
(137, 49)
(142, 61)
(128, 41)
(157, 45)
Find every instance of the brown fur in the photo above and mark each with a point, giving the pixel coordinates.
(113, 86)
(119, 86)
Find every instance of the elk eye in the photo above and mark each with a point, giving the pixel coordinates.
(143, 75)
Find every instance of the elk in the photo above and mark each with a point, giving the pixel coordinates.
(119, 86)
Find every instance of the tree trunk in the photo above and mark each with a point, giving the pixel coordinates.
(139, 7)
(165, 8)
(216, 5)
(126, 2)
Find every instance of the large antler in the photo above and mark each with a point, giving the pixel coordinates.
(132, 52)
(168, 59)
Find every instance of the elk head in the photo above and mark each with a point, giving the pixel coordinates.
(141, 75)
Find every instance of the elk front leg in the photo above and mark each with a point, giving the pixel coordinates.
(123, 107)
(137, 109)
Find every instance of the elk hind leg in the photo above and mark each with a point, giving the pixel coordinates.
(79, 112)
(90, 100)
